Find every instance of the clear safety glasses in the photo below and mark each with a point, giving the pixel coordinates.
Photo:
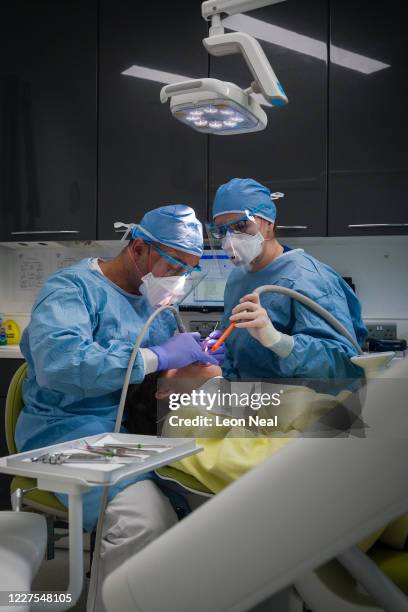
(242, 225)
(225, 235)
(177, 268)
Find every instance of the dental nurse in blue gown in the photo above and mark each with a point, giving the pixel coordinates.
(276, 336)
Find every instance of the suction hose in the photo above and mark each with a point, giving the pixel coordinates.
(322, 312)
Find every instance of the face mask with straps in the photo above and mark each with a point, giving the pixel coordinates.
(241, 238)
(163, 290)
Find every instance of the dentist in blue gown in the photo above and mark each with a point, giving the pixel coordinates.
(77, 346)
(276, 336)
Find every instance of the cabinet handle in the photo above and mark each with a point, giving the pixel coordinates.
(368, 225)
(294, 227)
(42, 232)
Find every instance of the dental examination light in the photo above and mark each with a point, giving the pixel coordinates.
(219, 107)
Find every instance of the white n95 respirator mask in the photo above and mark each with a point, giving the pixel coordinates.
(163, 290)
(243, 248)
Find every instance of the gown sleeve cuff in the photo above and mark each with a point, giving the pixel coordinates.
(150, 361)
(284, 346)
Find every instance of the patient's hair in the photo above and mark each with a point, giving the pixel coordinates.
(141, 407)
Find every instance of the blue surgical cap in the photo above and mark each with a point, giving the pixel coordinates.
(175, 226)
(240, 195)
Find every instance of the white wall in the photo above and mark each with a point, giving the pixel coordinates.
(23, 269)
(378, 266)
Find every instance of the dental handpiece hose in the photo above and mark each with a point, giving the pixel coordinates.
(93, 588)
(322, 312)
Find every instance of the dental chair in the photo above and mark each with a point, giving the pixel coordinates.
(304, 509)
(23, 539)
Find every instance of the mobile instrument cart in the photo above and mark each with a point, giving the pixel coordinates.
(74, 479)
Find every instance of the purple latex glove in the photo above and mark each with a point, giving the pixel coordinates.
(180, 351)
(209, 342)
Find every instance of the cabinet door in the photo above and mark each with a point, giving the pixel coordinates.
(48, 120)
(147, 158)
(368, 141)
(290, 154)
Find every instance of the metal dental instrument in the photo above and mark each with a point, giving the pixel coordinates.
(138, 446)
(133, 449)
(85, 458)
(121, 451)
(38, 458)
(60, 458)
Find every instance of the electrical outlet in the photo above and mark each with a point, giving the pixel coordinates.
(382, 331)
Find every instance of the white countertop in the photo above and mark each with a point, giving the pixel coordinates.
(11, 352)
(14, 352)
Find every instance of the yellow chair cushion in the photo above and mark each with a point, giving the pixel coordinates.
(394, 564)
(395, 534)
(370, 540)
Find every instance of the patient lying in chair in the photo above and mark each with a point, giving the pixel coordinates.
(235, 447)
(232, 451)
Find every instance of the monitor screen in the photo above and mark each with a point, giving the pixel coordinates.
(209, 294)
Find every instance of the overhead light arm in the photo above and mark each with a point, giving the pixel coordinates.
(232, 7)
(218, 43)
(265, 80)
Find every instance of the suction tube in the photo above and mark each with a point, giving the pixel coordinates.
(322, 312)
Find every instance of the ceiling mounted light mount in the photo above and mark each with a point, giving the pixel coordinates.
(219, 107)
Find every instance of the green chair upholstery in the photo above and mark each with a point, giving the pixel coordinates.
(43, 501)
(14, 405)
(393, 563)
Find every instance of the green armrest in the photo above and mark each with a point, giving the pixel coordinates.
(44, 500)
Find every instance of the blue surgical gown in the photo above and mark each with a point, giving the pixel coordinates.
(77, 347)
(319, 350)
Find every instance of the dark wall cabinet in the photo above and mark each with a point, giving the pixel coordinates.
(368, 138)
(85, 141)
(290, 154)
(48, 113)
(147, 158)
